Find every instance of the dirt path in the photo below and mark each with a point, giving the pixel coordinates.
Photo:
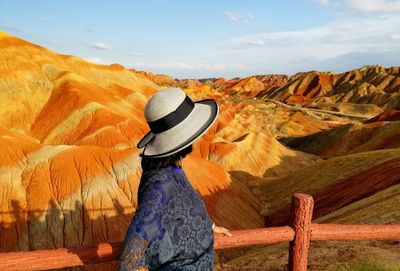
(307, 110)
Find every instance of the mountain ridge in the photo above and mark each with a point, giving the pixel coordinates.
(70, 169)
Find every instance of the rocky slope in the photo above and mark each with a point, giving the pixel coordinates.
(360, 188)
(349, 138)
(69, 168)
(369, 85)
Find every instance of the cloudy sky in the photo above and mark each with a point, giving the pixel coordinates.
(198, 39)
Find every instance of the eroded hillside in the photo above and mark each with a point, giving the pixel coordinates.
(69, 169)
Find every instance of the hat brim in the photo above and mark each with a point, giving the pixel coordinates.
(146, 139)
(202, 117)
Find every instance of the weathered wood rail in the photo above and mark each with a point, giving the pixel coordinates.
(299, 234)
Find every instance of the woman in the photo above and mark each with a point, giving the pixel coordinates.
(171, 229)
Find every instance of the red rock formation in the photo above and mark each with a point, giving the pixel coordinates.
(69, 168)
(370, 84)
(159, 79)
(254, 85)
(220, 81)
(388, 115)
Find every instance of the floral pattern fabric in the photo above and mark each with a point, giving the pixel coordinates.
(171, 229)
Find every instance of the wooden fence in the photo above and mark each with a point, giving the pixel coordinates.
(299, 234)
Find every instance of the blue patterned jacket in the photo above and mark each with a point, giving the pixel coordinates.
(171, 229)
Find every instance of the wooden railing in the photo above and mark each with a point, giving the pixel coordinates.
(299, 234)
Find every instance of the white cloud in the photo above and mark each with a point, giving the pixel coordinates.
(135, 54)
(322, 2)
(181, 66)
(239, 17)
(382, 6)
(342, 43)
(395, 37)
(101, 45)
(331, 39)
(190, 69)
(253, 42)
(98, 60)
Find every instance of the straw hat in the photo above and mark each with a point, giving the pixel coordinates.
(175, 121)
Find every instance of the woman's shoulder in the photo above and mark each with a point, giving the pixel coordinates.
(162, 180)
(159, 175)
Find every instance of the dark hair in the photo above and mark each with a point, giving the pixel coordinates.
(149, 163)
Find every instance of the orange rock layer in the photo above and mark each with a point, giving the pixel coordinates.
(69, 168)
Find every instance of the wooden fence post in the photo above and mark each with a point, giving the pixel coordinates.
(300, 220)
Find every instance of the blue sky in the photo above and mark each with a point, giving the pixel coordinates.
(198, 39)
